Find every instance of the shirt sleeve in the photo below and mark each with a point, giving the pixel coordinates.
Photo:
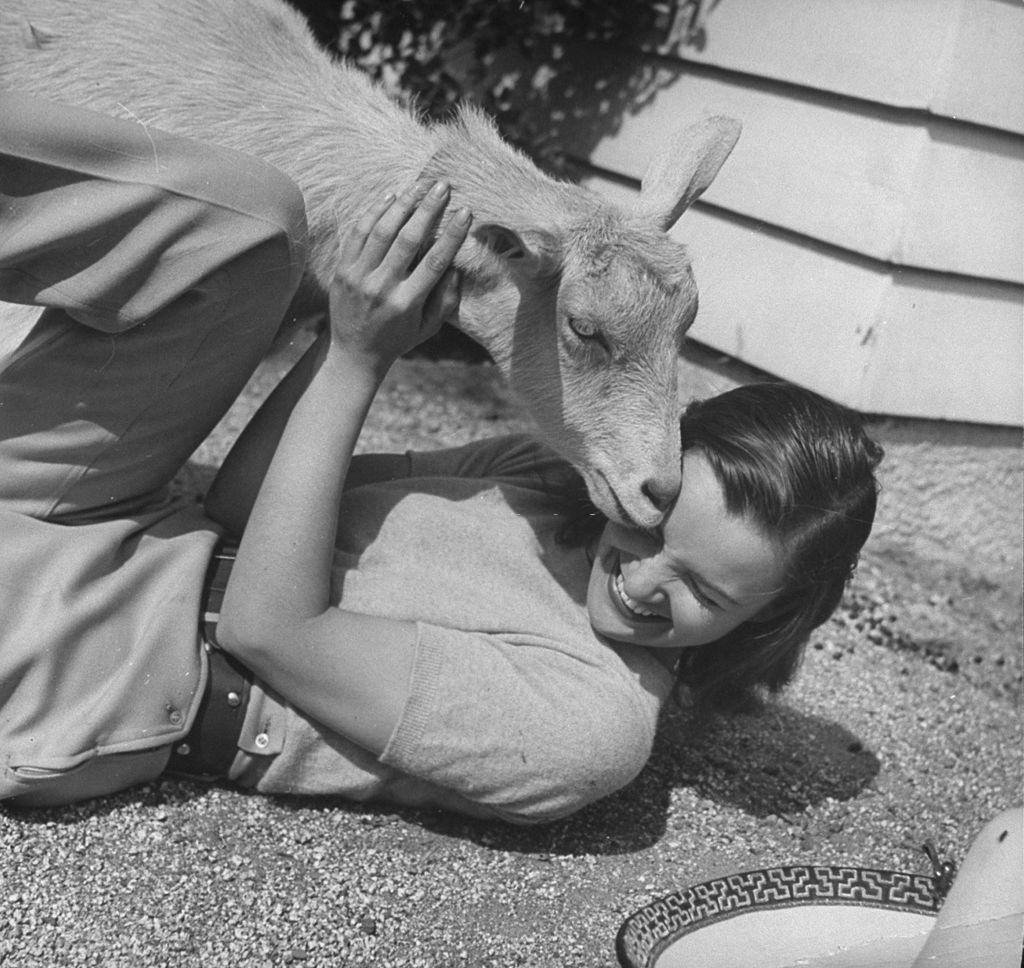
(521, 727)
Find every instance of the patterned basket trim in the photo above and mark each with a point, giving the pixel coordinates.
(648, 931)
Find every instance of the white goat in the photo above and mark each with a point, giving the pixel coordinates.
(582, 305)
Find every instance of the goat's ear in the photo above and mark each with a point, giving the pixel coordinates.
(534, 250)
(678, 174)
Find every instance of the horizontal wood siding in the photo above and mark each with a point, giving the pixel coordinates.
(959, 59)
(866, 237)
(912, 190)
(878, 338)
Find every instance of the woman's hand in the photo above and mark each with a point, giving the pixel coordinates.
(385, 299)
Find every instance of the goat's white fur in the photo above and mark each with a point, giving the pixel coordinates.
(544, 255)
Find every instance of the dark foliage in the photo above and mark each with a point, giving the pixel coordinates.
(501, 54)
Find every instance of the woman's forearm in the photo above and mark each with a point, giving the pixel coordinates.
(352, 672)
(282, 572)
(349, 671)
(230, 498)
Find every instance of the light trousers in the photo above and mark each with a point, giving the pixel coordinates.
(142, 276)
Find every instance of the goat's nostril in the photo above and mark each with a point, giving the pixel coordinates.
(661, 493)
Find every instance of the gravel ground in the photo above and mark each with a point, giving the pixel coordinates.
(904, 726)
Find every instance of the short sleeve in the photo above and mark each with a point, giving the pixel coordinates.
(521, 726)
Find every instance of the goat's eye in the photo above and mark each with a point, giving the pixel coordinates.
(586, 332)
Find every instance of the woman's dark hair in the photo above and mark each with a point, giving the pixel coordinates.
(802, 470)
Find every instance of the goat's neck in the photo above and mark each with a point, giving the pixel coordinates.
(496, 182)
(343, 164)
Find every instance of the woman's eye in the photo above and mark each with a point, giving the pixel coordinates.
(586, 332)
(701, 597)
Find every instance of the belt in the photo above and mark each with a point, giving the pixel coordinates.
(209, 748)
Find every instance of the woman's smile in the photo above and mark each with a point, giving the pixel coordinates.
(631, 608)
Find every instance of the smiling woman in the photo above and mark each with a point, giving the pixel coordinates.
(706, 572)
(333, 624)
(486, 682)
(778, 496)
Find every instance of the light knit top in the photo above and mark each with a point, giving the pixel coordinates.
(517, 709)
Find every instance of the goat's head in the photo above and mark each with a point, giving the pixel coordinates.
(585, 313)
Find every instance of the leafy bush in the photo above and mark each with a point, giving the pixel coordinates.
(502, 54)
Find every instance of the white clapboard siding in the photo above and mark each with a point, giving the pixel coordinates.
(962, 59)
(866, 237)
(878, 338)
(931, 195)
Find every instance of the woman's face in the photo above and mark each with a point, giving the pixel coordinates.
(707, 572)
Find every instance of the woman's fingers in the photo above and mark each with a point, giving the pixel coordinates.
(396, 234)
(442, 303)
(417, 232)
(391, 252)
(356, 237)
(439, 257)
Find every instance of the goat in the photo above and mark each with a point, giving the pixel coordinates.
(581, 304)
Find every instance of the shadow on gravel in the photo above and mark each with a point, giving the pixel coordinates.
(778, 762)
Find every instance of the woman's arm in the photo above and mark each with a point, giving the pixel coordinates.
(232, 494)
(349, 671)
(230, 498)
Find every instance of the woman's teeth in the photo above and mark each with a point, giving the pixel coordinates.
(635, 607)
